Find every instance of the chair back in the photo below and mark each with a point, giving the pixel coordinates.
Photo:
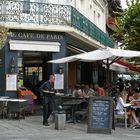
(13, 106)
(1, 107)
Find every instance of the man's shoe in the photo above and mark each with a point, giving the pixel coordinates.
(46, 124)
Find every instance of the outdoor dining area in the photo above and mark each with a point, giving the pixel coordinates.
(78, 109)
(13, 108)
(107, 56)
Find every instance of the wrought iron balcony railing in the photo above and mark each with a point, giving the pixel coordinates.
(50, 14)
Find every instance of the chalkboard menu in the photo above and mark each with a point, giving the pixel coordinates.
(100, 115)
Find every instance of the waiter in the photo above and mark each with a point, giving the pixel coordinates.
(47, 90)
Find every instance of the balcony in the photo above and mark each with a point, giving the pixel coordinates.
(50, 14)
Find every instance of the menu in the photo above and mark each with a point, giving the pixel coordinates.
(100, 115)
(59, 81)
(11, 82)
(100, 112)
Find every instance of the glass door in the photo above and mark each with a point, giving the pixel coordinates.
(32, 76)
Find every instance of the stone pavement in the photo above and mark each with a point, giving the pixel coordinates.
(32, 129)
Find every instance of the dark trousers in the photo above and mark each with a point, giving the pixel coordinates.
(48, 108)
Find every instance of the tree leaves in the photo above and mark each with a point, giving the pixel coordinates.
(128, 27)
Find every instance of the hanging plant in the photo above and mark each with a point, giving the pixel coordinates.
(3, 35)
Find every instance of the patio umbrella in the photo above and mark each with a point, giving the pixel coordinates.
(109, 55)
(99, 54)
(65, 59)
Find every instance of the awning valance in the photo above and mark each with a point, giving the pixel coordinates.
(132, 68)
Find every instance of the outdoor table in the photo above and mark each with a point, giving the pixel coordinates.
(23, 102)
(5, 100)
(70, 98)
(4, 97)
(11, 99)
(73, 103)
(18, 100)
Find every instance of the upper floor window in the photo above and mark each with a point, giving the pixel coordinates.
(82, 6)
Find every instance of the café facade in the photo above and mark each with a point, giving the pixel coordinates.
(25, 55)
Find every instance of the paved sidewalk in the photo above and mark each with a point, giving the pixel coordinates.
(32, 129)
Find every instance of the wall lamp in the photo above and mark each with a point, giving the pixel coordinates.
(60, 69)
(12, 65)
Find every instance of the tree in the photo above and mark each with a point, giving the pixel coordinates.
(3, 35)
(128, 27)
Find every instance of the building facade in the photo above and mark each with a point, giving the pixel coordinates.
(43, 30)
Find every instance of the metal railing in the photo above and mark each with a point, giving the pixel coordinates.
(50, 14)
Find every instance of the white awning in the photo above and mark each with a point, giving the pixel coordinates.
(119, 68)
(116, 67)
(34, 45)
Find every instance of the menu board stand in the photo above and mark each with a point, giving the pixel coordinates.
(11, 82)
(100, 115)
(59, 81)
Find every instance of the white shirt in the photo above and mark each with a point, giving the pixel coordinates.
(121, 105)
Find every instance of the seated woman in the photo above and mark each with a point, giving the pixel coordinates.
(120, 109)
(78, 92)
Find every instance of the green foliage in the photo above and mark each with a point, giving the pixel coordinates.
(132, 74)
(3, 35)
(128, 27)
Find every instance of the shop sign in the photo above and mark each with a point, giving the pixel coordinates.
(35, 36)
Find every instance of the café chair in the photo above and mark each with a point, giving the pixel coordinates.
(68, 112)
(123, 117)
(15, 109)
(80, 114)
(81, 111)
(1, 109)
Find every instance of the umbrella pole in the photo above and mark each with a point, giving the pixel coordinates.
(108, 77)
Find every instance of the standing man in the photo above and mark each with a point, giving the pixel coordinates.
(48, 93)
